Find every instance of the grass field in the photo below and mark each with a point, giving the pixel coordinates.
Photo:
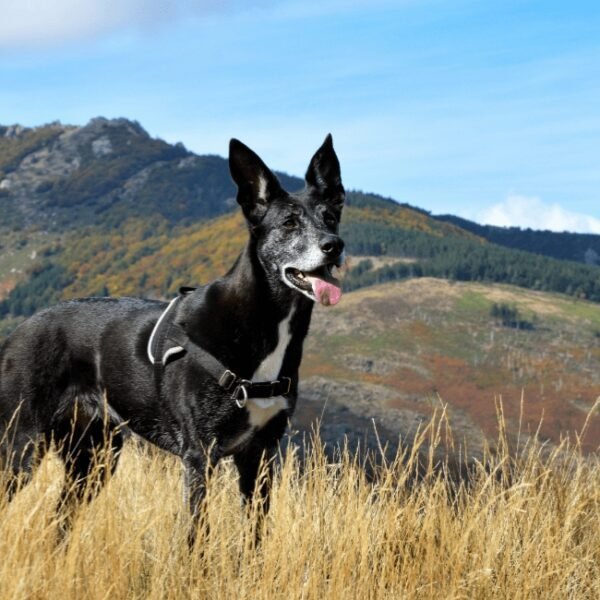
(526, 526)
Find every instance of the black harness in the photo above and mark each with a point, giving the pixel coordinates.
(168, 341)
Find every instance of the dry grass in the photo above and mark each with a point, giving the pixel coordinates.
(523, 528)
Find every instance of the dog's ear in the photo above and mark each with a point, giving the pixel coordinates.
(324, 175)
(257, 185)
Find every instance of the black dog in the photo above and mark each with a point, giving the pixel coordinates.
(212, 374)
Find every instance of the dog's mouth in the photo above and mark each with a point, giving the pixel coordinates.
(319, 284)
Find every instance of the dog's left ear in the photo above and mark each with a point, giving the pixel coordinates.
(324, 175)
(257, 185)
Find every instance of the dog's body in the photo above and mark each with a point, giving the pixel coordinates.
(74, 373)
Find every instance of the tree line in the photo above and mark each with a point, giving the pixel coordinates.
(461, 259)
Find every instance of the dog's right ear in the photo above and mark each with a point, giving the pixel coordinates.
(324, 175)
(257, 185)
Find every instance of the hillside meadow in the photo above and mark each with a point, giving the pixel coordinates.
(524, 525)
(389, 352)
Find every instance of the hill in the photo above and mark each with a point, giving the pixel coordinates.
(578, 247)
(396, 352)
(59, 177)
(151, 257)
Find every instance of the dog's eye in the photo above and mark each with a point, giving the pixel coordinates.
(329, 221)
(290, 223)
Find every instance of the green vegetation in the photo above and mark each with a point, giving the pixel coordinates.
(473, 303)
(579, 247)
(509, 316)
(462, 259)
(43, 288)
(14, 149)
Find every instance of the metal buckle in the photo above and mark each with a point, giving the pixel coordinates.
(241, 402)
(289, 386)
(227, 379)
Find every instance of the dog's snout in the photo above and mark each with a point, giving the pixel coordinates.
(332, 246)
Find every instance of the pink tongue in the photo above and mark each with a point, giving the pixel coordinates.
(326, 293)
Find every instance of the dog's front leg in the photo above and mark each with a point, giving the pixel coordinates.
(262, 450)
(248, 463)
(199, 464)
(255, 468)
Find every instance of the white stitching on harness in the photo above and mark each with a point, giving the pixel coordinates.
(166, 355)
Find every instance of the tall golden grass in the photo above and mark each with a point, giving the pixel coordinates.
(525, 525)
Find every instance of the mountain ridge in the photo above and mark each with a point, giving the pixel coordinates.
(110, 186)
(58, 177)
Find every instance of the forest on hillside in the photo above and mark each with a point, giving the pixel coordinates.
(154, 258)
(564, 245)
(462, 259)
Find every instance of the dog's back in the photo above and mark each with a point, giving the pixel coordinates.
(56, 348)
(50, 372)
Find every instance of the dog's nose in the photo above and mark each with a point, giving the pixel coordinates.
(332, 246)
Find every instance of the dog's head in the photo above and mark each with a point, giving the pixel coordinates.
(296, 234)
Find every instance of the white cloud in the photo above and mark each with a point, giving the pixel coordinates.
(526, 211)
(38, 23)
(43, 23)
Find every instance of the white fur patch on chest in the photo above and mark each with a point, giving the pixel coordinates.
(262, 410)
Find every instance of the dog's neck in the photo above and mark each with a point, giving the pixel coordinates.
(236, 318)
(253, 284)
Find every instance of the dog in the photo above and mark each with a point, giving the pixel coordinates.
(213, 373)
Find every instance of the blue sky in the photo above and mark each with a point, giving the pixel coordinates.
(490, 110)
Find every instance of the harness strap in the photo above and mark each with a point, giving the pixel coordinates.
(241, 389)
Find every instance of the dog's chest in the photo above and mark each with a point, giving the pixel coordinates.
(262, 410)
